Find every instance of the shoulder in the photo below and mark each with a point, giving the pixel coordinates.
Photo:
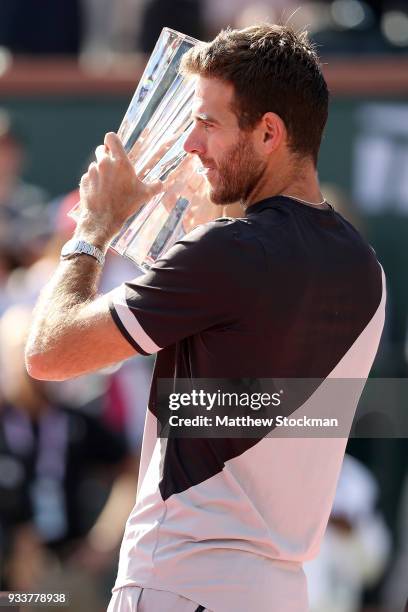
(225, 247)
(220, 234)
(214, 230)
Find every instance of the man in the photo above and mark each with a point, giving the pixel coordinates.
(24, 218)
(289, 291)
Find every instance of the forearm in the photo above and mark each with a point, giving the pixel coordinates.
(57, 321)
(73, 332)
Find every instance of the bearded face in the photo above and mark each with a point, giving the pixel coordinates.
(231, 157)
(234, 176)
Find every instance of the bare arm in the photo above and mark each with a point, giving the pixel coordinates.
(73, 332)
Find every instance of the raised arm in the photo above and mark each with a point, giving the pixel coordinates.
(72, 331)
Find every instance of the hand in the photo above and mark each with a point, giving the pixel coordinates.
(110, 192)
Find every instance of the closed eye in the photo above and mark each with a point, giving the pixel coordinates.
(207, 125)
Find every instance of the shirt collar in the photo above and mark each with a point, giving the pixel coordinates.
(258, 207)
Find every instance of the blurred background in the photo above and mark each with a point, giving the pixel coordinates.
(69, 452)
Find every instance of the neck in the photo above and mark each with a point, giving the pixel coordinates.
(297, 179)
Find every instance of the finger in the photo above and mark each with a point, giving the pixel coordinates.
(101, 152)
(112, 141)
(93, 171)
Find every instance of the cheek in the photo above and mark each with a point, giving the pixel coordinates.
(218, 149)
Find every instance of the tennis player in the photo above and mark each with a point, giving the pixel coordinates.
(289, 290)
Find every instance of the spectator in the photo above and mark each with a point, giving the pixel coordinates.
(355, 547)
(56, 469)
(24, 221)
(110, 27)
(396, 592)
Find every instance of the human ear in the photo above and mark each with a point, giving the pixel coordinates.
(274, 131)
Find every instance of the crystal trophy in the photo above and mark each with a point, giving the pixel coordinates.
(153, 132)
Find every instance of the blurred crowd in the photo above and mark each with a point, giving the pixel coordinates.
(69, 451)
(90, 27)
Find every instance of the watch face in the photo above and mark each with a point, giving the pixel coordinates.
(76, 246)
(69, 248)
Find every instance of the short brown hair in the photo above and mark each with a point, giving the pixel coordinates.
(272, 69)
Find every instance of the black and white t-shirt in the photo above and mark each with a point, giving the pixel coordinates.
(289, 291)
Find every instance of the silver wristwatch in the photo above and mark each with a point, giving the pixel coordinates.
(75, 246)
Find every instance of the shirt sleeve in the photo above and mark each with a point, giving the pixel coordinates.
(194, 287)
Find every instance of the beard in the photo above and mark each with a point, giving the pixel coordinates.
(237, 174)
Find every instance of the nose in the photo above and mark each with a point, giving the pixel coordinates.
(194, 144)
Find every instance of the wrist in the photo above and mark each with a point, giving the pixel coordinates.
(79, 246)
(98, 236)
